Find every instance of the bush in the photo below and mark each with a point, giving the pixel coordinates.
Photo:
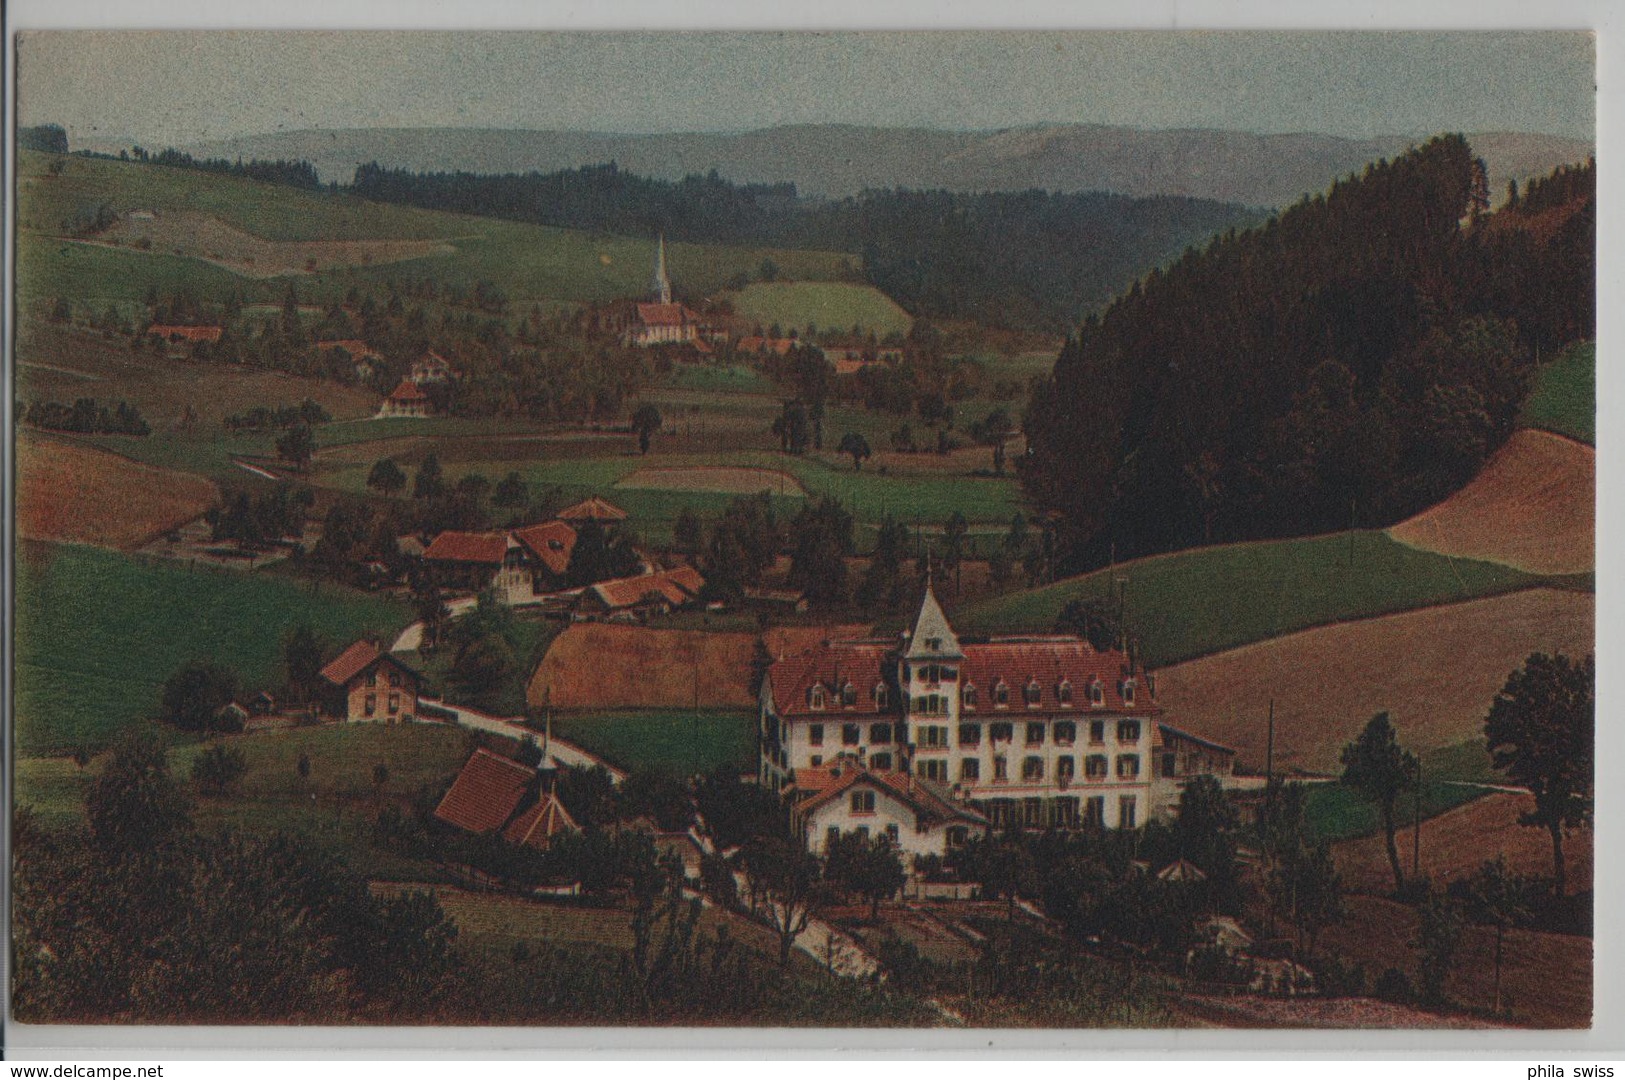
(1338, 977)
(218, 769)
(1393, 985)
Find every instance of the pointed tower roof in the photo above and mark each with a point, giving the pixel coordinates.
(660, 284)
(931, 638)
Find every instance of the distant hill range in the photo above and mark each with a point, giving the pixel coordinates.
(839, 160)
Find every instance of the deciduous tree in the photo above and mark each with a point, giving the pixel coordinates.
(1380, 770)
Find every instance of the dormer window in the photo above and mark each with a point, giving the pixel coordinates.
(815, 697)
(1064, 692)
(1097, 693)
(849, 695)
(1001, 694)
(879, 695)
(968, 696)
(1033, 693)
(1127, 690)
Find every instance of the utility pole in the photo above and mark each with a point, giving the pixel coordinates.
(1269, 762)
(1416, 823)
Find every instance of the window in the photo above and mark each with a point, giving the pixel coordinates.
(934, 644)
(1094, 811)
(815, 735)
(1066, 813)
(1066, 733)
(1001, 768)
(815, 697)
(1064, 692)
(817, 760)
(880, 762)
(934, 735)
(1032, 813)
(1000, 732)
(394, 677)
(967, 697)
(1001, 694)
(1097, 693)
(831, 836)
(1128, 691)
(1066, 768)
(851, 734)
(880, 734)
(372, 677)
(958, 836)
(970, 734)
(1032, 769)
(1097, 731)
(892, 834)
(1125, 812)
(950, 674)
(1094, 767)
(1170, 764)
(1035, 733)
(1128, 766)
(1032, 693)
(863, 831)
(1128, 731)
(970, 769)
(371, 704)
(935, 769)
(849, 695)
(394, 704)
(863, 802)
(879, 695)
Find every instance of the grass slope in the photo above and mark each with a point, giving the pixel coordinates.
(1200, 601)
(531, 263)
(827, 305)
(677, 742)
(97, 633)
(1564, 398)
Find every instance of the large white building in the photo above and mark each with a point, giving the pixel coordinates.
(1034, 731)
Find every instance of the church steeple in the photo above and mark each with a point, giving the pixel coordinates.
(660, 285)
(931, 638)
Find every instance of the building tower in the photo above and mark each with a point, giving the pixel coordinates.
(660, 285)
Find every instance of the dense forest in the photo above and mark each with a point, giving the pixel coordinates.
(1349, 362)
(1006, 259)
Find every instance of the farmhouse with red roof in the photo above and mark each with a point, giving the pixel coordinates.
(407, 399)
(366, 683)
(495, 794)
(519, 564)
(1035, 731)
(636, 598)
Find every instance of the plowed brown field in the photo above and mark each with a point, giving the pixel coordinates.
(78, 494)
(1532, 507)
(1435, 671)
(1458, 841)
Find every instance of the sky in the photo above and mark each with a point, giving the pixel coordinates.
(188, 87)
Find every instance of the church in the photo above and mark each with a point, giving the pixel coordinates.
(1032, 731)
(660, 320)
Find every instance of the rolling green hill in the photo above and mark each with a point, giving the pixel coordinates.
(532, 264)
(1196, 602)
(1564, 398)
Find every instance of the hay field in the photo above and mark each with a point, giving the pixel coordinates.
(1435, 671)
(193, 235)
(77, 494)
(1457, 842)
(605, 666)
(1532, 507)
(716, 478)
(827, 304)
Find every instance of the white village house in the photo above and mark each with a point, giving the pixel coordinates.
(1035, 731)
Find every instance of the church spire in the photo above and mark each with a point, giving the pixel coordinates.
(660, 285)
(931, 638)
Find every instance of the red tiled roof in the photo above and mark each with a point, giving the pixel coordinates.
(688, 578)
(665, 315)
(351, 662)
(486, 793)
(766, 344)
(833, 664)
(1017, 662)
(189, 333)
(536, 826)
(827, 783)
(851, 366)
(484, 548)
(593, 509)
(551, 543)
(407, 390)
(629, 592)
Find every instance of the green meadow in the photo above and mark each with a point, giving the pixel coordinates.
(1564, 397)
(828, 305)
(680, 743)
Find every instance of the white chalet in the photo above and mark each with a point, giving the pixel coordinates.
(915, 815)
(1034, 731)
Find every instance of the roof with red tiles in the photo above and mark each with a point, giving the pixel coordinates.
(551, 543)
(689, 578)
(351, 662)
(407, 390)
(486, 793)
(631, 591)
(818, 787)
(593, 508)
(665, 315)
(832, 665)
(757, 344)
(537, 825)
(487, 548)
(187, 333)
